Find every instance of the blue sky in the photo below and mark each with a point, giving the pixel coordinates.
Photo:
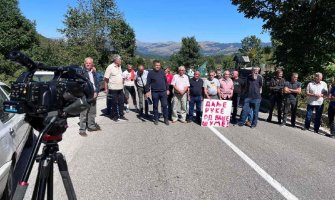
(159, 20)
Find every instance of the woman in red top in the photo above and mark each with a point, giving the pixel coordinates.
(169, 77)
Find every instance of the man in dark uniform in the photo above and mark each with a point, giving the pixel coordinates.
(276, 88)
(291, 91)
(239, 86)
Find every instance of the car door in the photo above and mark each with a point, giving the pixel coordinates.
(7, 146)
(15, 123)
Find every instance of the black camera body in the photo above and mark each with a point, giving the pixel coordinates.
(66, 95)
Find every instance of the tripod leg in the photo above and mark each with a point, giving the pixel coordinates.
(44, 172)
(64, 172)
(37, 181)
(50, 182)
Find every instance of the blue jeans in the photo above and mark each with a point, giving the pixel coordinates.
(251, 104)
(162, 97)
(317, 120)
(195, 100)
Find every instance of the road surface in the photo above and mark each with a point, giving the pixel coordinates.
(139, 160)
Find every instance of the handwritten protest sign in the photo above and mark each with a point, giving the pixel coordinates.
(216, 113)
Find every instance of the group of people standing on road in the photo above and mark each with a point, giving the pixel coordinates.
(179, 94)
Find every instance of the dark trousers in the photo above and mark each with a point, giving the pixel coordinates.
(130, 90)
(141, 96)
(331, 114)
(197, 101)
(169, 102)
(276, 99)
(236, 103)
(109, 102)
(117, 102)
(162, 97)
(290, 105)
(317, 120)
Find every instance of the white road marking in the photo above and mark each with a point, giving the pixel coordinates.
(281, 189)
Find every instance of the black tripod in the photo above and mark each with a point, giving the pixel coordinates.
(44, 179)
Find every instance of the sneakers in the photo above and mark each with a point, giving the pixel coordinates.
(83, 133)
(127, 110)
(156, 122)
(115, 119)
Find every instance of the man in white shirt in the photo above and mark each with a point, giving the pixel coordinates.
(315, 92)
(140, 82)
(180, 83)
(114, 87)
(129, 86)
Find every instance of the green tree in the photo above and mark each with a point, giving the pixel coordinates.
(123, 40)
(16, 32)
(189, 53)
(251, 46)
(303, 31)
(89, 29)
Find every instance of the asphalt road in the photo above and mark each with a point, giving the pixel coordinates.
(138, 160)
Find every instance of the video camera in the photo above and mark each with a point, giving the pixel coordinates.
(66, 95)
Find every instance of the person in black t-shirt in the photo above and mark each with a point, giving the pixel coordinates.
(276, 88)
(239, 86)
(195, 96)
(291, 91)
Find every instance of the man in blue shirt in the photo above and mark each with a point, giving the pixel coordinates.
(157, 83)
(253, 100)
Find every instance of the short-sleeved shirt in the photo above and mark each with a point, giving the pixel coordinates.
(180, 81)
(114, 74)
(169, 78)
(239, 85)
(315, 88)
(196, 87)
(127, 78)
(226, 87)
(212, 86)
(293, 86)
(332, 92)
(139, 77)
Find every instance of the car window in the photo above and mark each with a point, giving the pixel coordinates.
(4, 117)
(6, 89)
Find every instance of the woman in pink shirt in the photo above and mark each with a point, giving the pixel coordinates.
(226, 86)
(169, 77)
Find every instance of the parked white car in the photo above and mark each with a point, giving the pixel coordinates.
(15, 133)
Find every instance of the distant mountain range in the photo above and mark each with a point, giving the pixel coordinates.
(165, 49)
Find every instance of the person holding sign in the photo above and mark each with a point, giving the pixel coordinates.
(180, 83)
(212, 86)
(253, 99)
(226, 86)
(195, 96)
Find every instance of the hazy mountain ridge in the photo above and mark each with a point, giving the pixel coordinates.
(207, 48)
